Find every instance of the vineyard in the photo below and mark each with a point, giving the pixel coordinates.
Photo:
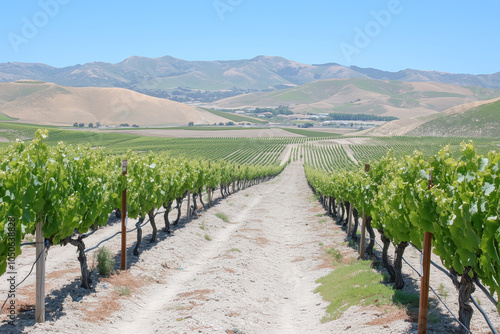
(461, 210)
(72, 190)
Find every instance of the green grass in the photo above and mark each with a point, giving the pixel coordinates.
(4, 117)
(207, 237)
(222, 216)
(336, 256)
(309, 133)
(353, 284)
(124, 291)
(235, 118)
(482, 121)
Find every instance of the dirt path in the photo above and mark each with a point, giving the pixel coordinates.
(255, 274)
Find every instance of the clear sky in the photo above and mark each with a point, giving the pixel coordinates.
(452, 36)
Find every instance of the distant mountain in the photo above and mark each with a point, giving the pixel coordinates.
(157, 75)
(48, 103)
(482, 80)
(385, 98)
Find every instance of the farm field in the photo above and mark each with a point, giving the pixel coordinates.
(255, 260)
(256, 273)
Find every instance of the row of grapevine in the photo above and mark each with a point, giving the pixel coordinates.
(462, 210)
(76, 188)
(327, 157)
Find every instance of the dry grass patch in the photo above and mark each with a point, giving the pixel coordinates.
(125, 279)
(125, 284)
(316, 210)
(96, 312)
(261, 241)
(299, 259)
(65, 272)
(197, 294)
(231, 271)
(389, 314)
(248, 229)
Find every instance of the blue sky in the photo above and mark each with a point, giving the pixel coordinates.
(451, 36)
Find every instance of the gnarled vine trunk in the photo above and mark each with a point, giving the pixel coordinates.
(399, 282)
(334, 208)
(385, 258)
(369, 228)
(195, 205)
(354, 233)
(465, 289)
(151, 215)
(139, 236)
(167, 207)
(179, 206)
(201, 199)
(347, 208)
(82, 258)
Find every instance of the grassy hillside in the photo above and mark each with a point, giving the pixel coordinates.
(391, 98)
(235, 117)
(482, 121)
(48, 103)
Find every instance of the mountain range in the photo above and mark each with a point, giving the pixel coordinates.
(261, 73)
(367, 96)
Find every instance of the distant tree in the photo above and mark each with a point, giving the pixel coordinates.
(91, 125)
(249, 124)
(98, 124)
(81, 125)
(230, 123)
(191, 124)
(124, 125)
(221, 123)
(135, 126)
(75, 124)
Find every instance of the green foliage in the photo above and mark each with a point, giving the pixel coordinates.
(74, 188)
(124, 291)
(236, 117)
(222, 216)
(359, 117)
(313, 134)
(105, 262)
(349, 285)
(462, 209)
(336, 256)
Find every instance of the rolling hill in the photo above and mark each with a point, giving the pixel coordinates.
(48, 103)
(259, 73)
(480, 121)
(378, 97)
(469, 119)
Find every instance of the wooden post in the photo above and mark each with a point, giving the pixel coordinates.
(349, 220)
(425, 279)
(40, 274)
(124, 214)
(209, 190)
(363, 227)
(189, 206)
